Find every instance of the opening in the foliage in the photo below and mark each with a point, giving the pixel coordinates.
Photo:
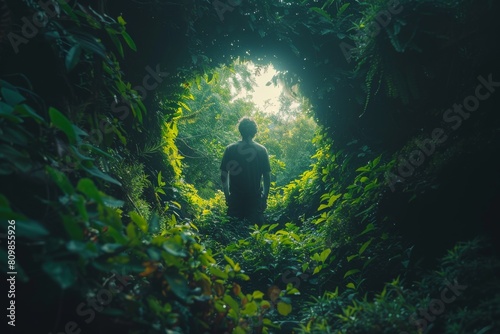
(216, 103)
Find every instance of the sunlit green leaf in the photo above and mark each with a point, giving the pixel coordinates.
(284, 308)
(351, 272)
(62, 123)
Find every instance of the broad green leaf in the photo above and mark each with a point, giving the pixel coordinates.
(369, 227)
(333, 199)
(62, 123)
(139, 220)
(351, 285)
(239, 330)
(26, 110)
(61, 180)
(64, 273)
(350, 258)
(121, 20)
(257, 294)
(321, 12)
(365, 245)
(317, 269)
(179, 286)
(351, 272)
(232, 303)
(343, 8)
(174, 248)
(12, 97)
(217, 272)
(131, 233)
(73, 57)
(97, 173)
(87, 187)
(72, 227)
(130, 42)
(284, 308)
(363, 169)
(112, 34)
(324, 254)
(30, 229)
(250, 308)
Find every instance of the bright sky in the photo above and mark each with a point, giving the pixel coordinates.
(266, 98)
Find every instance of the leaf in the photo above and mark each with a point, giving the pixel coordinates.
(179, 286)
(238, 330)
(257, 294)
(130, 42)
(369, 227)
(87, 187)
(97, 173)
(250, 308)
(30, 229)
(363, 179)
(12, 97)
(333, 199)
(351, 285)
(72, 228)
(324, 254)
(365, 246)
(63, 273)
(62, 123)
(217, 272)
(284, 308)
(139, 220)
(321, 12)
(121, 20)
(232, 303)
(363, 169)
(351, 272)
(112, 34)
(61, 180)
(73, 57)
(350, 258)
(342, 9)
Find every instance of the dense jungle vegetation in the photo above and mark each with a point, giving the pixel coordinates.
(384, 210)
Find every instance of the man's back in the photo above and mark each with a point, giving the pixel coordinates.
(246, 162)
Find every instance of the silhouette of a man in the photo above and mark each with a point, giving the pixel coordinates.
(244, 166)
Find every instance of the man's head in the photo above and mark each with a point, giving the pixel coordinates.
(247, 128)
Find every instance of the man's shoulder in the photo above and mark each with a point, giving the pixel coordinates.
(260, 146)
(232, 146)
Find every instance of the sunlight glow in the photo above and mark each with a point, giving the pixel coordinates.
(265, 94)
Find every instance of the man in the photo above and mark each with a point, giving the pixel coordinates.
(244, 165)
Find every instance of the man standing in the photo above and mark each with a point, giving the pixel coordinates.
(244, 165)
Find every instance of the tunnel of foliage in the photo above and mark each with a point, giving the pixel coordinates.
(389, 226)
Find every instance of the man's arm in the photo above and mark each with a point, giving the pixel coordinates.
(267, 184)
(224, 177)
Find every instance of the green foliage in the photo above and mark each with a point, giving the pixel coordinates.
(398, 306)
